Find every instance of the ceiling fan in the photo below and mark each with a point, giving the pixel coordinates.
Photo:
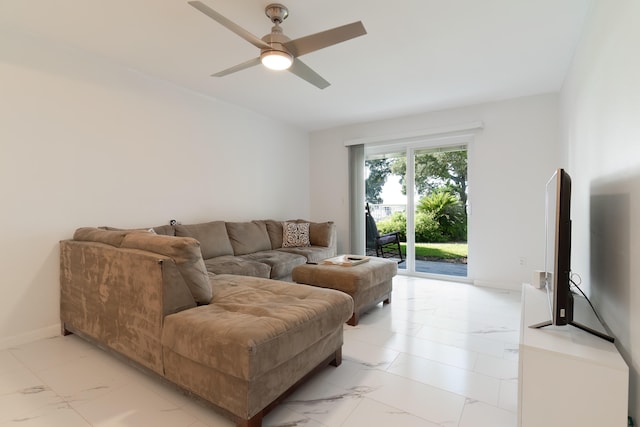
(277, 51)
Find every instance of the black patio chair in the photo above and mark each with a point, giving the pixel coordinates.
(383, 246)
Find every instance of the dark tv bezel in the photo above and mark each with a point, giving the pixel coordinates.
(562, 313)
(559, 284)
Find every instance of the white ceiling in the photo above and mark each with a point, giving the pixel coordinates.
(418, 55)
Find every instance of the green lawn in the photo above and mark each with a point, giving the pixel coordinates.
(439, 250)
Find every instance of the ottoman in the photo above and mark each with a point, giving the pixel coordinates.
(368, 283)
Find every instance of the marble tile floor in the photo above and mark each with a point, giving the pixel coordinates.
(441, 354)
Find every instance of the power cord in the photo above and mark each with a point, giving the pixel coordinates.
(572, 275)
(577, 286)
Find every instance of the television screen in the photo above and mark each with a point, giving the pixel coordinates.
(558, 255)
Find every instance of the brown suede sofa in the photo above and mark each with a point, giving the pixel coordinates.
(238, 341)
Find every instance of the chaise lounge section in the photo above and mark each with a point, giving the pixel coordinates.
(239, 342)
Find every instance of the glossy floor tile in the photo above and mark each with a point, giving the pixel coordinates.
(441, 354)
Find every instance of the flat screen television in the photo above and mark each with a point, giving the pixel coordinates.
(557, 262)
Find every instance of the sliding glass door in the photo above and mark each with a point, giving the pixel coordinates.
(420, 193)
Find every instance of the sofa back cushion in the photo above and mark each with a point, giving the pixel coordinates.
(248, 237)
(213, 238)
(167, 230)
(93, 234)
(275, 230)
(185, 251)
(321, 233)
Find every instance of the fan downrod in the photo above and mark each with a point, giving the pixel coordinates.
(276, 12)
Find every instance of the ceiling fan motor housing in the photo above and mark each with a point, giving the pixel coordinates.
(276, 40)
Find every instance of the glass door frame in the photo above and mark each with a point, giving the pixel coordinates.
(410, 147)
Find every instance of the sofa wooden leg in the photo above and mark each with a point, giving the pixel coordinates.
(255, 421)
(353, 321)
(388, 300)
(338, 358)
(64, 331)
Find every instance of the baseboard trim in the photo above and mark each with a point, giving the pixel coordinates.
(495, 285)
(27, 337)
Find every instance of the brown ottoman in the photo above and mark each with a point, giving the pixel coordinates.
(368, 283)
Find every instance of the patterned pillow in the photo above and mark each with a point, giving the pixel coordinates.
(295, 234)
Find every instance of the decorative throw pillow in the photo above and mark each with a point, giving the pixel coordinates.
(295, 234)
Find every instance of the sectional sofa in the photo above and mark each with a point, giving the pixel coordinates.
(163, 299)
(262, 248)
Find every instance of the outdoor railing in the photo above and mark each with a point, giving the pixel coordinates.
(380, 212)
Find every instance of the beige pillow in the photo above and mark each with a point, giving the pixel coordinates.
(295, 234)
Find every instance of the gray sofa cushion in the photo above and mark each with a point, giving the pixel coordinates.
(320, 233)
(93, 234)
(230, 264)
(248, 237)
(167, 230)
(213, 238)
(185, 252)
(281, 263)
(313, 254)
(275, 230)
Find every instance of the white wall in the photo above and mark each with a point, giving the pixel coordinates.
(600, 110)
(510, 161)
(86, 143)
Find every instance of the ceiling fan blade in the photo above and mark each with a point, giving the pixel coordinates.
(257, 42)
(313, 42)
(239, 67)
(303, 71)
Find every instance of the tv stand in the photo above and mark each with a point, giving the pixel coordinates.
(579, 326)
(567, 377)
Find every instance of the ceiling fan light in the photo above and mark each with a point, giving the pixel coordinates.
(276, 60)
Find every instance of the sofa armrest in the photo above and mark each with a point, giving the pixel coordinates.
(119, 297)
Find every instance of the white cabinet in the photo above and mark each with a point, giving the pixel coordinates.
(567, 377)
